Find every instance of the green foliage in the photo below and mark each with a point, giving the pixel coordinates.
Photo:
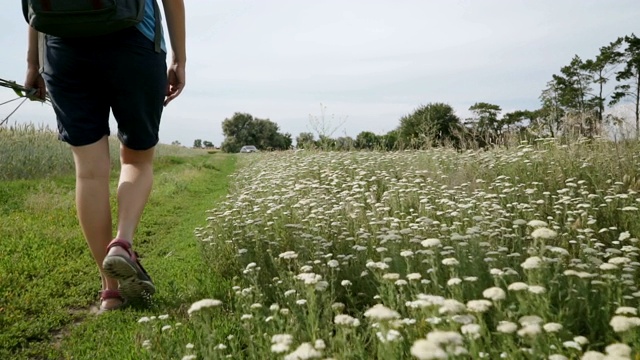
(29, 152)
(197, 144)
(629, 77)
(243, 129)
(49, 282)
(429, 125)
(348, 231)
(485, 121)
(367, 140)
(207, 144)
(305, 140)
(601, 69)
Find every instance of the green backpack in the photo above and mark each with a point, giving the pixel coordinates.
(83, 18)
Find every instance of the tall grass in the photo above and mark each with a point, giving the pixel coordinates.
(29, 151)
(525, 253)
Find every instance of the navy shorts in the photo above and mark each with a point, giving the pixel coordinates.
(88, 77)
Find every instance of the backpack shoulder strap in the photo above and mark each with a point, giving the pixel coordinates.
(157, 39)
(42, 42)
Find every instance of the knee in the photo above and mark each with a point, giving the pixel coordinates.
(93, 170)
(136, 157)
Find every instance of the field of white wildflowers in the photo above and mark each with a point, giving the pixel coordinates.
(522, 253)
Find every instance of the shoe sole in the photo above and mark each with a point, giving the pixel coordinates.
(133, 286)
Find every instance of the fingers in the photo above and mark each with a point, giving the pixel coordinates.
(174, 92)
(37, 91)
(175, 84)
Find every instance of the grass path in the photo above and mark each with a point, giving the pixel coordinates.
(48, 281)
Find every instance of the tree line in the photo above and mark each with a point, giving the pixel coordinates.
(573, 103)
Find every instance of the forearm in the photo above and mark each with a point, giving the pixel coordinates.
(32, 49)
(175, 14)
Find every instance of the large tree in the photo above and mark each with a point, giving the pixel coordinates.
(305, 140)
(600, 70)
(242, 129)
(574, 90)
(367, 140)
(485, 120)
(629, 77)
(429, 125)
(549, 119)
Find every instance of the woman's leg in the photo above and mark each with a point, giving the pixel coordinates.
(92, 202)
(134, 187)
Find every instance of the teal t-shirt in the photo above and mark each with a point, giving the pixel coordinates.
(148, 25)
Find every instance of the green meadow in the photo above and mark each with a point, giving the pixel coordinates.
(523, 252)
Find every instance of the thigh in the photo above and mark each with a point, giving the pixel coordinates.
(74, 80)
(138, 79)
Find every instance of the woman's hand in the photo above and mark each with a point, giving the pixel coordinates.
(35, 83)
(176, 80)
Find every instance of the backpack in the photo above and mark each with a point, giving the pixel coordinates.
(83, 18)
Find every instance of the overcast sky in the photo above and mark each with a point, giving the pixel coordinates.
(369, 62)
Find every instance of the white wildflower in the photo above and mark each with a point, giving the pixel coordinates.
(607, 267)
(320, 345)
(529, 330)
(626, 310)
(382, 313)
(346, 320)
(390, 336)
(517, 286)
(532, 262)
(537, 223)
(450, 262)
(530, 319)
(572, 345)
(621, 323)
(557, 357)
(309, 278)
(445, 337)
(581, 340)
(552, 327)
(204, 303)
(471, 330)
(391, 276)
(333, 263)
(618, 350)
(507, 327)
(494, 293)
(288, 255)
(544, 233)
(478, 306)
(431, 243)
(619, 260)
(414, 277)
(536, 289)
(451, 306)
(592, 355)
(428, 350)
(303, 352)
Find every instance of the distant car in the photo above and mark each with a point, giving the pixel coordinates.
(248, 149)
